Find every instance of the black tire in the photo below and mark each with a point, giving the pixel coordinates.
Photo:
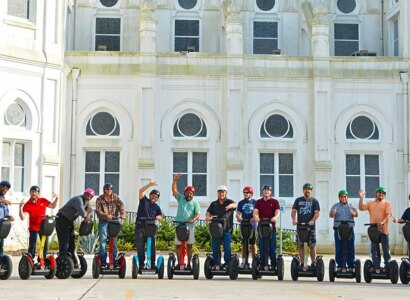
(96, 268)
(123, 267)
(207, 268)
(161, 270)
(195, 266)
(280, 266)
(294, 269)
(65, 267)
(358, 270)
(394, 271)
(83, 266)
(233, 267)
(332, 267)
(7, 266)
(367, 271)
(320, 269)
(134, 273)
(255, 268)
(404, 270)
(25, 268)
(170, 267)
(50, 263)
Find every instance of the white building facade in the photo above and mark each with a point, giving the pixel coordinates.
(226, 92)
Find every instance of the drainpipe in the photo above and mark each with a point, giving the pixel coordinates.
(75, 73)
(382, 25)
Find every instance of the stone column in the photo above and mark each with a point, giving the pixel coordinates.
(234, 29)
(148, 27)
(320, 30)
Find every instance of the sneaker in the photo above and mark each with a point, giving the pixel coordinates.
(188, 267)
(377, 271)
(224, 266)
(177, 267)
(242, 266)
(344, 270)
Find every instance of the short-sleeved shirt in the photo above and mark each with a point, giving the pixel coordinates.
(147, 209)
(4, 210)
(343, 213)
(306, 208)
(245, 207)
(186, 209)
(218, 209)
(36, 211)
(378, 211)
(267, 208)
(406, 214)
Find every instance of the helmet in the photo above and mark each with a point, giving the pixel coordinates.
(267, 187)
(89, 191)
(156, 192)
(190, 189)
(308, 186)
(248, 188)
(35, 188)
(5, 183)
(381, 189)
(107, 186)
(222, 188)
(343, 192)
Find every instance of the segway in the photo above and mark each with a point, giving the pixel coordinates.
(214, 268)
(315, 270)
(116, 265)
(390, 271)
(345, 232)
(246, 232)
(277, 269)
(149, 229)
(405, 262)
(46, 266)
(6, 266)
(182, 233)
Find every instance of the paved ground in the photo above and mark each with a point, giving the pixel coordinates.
(181, 287)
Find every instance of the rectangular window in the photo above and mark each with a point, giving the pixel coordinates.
(102, 167)
(193, 169)
(276, 170)
(396, 37)
(13, 164)
(186, 35)
(346, 39)
(265, 37)
(107, 34)
(19, 8)
(362, 171)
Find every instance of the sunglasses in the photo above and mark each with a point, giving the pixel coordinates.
(108, 189)
(246, 192)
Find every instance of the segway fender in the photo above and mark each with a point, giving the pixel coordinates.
(137, 262)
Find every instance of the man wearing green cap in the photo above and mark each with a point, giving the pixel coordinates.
(380, 213)
(343, 211)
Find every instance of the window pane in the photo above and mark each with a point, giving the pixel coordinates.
(15, 115)
(267, 180)
(5, 173)
(353, 185)
(199, 162)
(371, 164)
(112, 161)
(182, 182)
(109, 42)
(92, 181)
(19, 155)
(18, 8)
(346, 48)
(186, 28)
(199, 182)
(187, 4)
(285, 163)
(372, 183)
(108, 26)
(114, 179)
(180, 162)
(346, 31)
(346, 6)
(266, 163)
(92, 161)
(182, 44)
(18, 181)
(265, 5)
(108, 3)
(285, 186)
(264, 46)
(265, 29)
(352, 164)
(190, 125)
(6, 155)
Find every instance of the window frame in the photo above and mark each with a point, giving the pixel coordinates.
(345, 40)
(12, 167)
(97, 34)
(191, 36)
(264, 38)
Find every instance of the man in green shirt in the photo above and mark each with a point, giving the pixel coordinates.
(188, 212)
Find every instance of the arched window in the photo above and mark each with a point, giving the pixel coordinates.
(276, 126)
(265, 5)
(103, 124)
(190, 125)
(187, 4)
(15, 115)
(362, 128)
(108, 3)
(346, 6)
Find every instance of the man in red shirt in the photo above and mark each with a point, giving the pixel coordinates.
(36, 207)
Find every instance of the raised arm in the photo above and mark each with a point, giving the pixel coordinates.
(174, 184)
(146, 187)
(21, 212)
(55, 202)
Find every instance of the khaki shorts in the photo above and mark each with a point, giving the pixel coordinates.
(191, 238)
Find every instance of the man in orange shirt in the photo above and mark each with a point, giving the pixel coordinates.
(380, 213)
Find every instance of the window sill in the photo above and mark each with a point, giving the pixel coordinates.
(19, 22)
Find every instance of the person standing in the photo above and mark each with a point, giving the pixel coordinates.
(108, 206)
(4, 210)
(306, 209)
(188, 212)
(405, 218)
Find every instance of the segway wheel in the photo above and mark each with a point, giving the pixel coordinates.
(83, 266)
(50, 263)
(332, 267)
(233, 267)
(280, 265)
(294, 269)
(161, 270)
(134, 272)
(96, 269)
(358, 270)
(25, 268)
(7, 266)
(394, 271)
(123, 267)
(367, 271)
(65, 267)
(170, 267)
(255, 267)
(207, 268)
(320, 269)
(195, 266)
(404, 270)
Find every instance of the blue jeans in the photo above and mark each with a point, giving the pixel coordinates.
(350, 255)
(375, 251)
(408, 249)
(226, 242)
(32, 244)
(103, 236)
(271, 249)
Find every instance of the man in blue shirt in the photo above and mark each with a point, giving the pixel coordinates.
(343, 211)
(4, 210)
(405, 217)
